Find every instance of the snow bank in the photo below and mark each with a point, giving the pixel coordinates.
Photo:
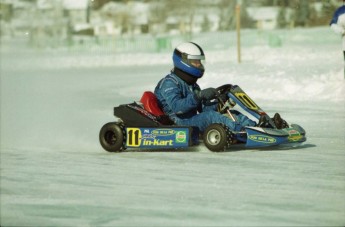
(307, 66)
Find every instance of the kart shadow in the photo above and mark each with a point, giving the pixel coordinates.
(232, 148)
(236, 148)
(165, 150)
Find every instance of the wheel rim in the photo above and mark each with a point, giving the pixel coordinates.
(110, 137)
(213, 137)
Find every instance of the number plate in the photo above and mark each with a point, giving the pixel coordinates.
(157, 137)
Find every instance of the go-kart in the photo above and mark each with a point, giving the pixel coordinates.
(143, 125)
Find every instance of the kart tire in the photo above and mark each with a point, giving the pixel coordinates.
(217, 137)
(112, 137)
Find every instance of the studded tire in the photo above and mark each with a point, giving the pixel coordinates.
(217, 137)
(112, 137)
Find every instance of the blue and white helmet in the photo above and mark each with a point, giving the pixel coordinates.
(184, 57)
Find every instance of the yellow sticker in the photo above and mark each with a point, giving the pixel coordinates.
(246, 100)
(133, 137)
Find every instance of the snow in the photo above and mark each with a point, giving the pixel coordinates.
(55, 173)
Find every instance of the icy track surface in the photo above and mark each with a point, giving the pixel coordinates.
(54, 172)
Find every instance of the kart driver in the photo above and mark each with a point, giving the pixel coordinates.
(181, 98)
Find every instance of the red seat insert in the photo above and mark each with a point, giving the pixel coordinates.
(150, 103)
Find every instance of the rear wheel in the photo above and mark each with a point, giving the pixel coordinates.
(217, 137)
(112, 137)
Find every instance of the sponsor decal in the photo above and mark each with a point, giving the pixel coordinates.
(163, 132)
(181, 137)
(143, 112)
(262, 138)
(294, 135)
(157, 142)
(295, 138)
(293, 132)
(148, 136)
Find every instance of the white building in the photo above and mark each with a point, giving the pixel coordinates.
(266, 18)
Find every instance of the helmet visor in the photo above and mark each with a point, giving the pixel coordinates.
(200, 57)
(197, 63)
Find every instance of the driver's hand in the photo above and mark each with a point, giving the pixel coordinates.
(208, 94)
(223, 97)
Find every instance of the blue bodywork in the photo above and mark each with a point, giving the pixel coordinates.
(263, 137)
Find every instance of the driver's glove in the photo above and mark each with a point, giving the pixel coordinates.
(207, 94)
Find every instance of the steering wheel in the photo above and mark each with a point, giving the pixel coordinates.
(224, 88)
(222, 92)
(221, 96)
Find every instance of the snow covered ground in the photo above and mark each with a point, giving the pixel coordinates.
(54, 172)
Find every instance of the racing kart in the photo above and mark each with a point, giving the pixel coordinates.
(143, 125)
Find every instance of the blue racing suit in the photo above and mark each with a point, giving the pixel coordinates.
(180, 102)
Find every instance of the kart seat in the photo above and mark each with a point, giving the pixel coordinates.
(150, 103)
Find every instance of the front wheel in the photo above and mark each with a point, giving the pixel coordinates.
(216, 137)
(112, 137)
